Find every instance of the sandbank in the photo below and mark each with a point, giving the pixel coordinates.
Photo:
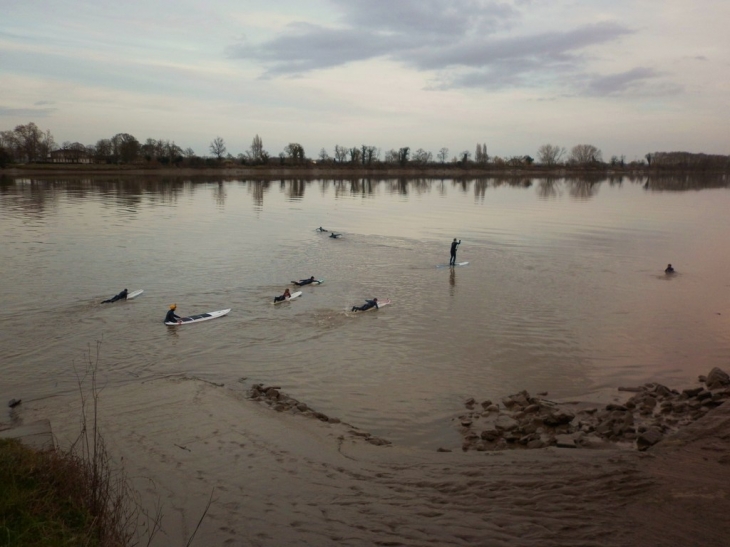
(283, 479)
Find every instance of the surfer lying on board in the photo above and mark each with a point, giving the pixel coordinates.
(285, 296)
(121, 296)
(171, 317)
(367, 305)
(302, 282)
(320, 229)
(335, 235)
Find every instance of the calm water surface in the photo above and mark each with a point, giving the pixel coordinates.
(565, 290)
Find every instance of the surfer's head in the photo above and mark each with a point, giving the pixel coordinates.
(375, 299)
(173, 306)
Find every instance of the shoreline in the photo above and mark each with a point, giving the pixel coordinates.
(278, 478)
(330, 171)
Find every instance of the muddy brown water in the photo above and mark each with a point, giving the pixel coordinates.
(564, 291)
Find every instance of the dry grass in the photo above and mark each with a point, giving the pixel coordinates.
(75, 496)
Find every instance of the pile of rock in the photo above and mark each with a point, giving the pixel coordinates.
(281, 402)
(643, 420)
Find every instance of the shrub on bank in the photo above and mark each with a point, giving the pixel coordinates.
(45, 500)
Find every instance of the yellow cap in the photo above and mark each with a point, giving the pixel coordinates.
(173, 306)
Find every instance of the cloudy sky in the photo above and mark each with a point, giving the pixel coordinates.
(628, 76)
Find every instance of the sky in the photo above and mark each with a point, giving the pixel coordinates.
(627, 76)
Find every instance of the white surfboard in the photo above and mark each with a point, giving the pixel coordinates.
(199, 317)
(452, 265)
(292, 297)
(134, 294)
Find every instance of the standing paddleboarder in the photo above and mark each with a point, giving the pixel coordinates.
(454, 245)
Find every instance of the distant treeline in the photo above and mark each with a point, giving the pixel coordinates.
(28, 144)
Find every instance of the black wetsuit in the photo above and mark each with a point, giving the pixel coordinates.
(303, 282)
(335, 235)
(282, 297)
(366, 306)
(171, 317)
(454, 245)
(121, 296)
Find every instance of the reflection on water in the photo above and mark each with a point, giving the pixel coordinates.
(37, 192)
(564, 292)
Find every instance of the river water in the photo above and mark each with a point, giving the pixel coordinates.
(564, 291)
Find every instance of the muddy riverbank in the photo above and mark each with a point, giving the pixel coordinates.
(283, 474)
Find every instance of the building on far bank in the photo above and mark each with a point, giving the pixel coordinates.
(70, 155)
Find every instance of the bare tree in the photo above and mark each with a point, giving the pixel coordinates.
(125, 147)
(585, 153)
(172, 152)
(8, 145)
(31, 144)
(103, 150)
(47, 145)
(295, 151)
(340, 154)
(422, 157)
(218, 147)
(354, 154)
(403, 154)
(369, 154)
(323, 155)
(391, 156)
(481, 155)
(465, 157)
(550, 154)
(443, 155)
(256, 152)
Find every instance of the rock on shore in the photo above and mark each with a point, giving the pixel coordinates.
(653, 412)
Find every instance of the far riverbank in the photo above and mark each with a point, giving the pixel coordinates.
(314, 171)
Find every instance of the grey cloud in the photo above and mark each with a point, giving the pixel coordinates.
(546, 47)
(309, 47)
(637, 81)
(27, 112)
(455, 40)
(377, 28)
(428, 17)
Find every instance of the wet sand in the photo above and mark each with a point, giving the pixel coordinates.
(284, 479)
